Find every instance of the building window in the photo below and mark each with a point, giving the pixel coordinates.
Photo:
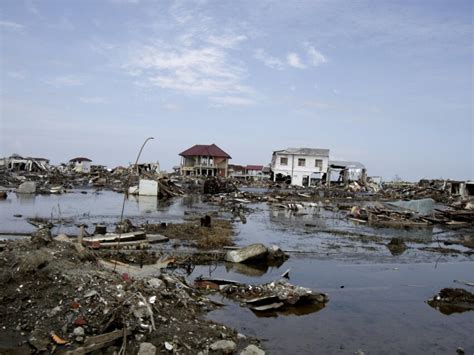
(283, 161)
(301, 162)
(318, 163)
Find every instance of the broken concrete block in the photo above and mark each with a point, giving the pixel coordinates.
(252, 350)
(62, 238)
(155, 283)
(226, 346)
(148, 188)
(249, 253)
(28, 187)
(147, 349)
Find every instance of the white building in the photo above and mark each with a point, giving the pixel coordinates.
(81, 164)
(300, 166)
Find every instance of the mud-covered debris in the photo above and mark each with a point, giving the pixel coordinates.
(256, 253)
(224, 346)
(279, 295)
(453, 300)
(397, 246)
(147, 349)
(252, 350)
(214, 185)
(49, 289)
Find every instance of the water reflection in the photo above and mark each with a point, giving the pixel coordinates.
(147, 204)
(253, 270)
(26, 199)
(449, 309)
(297, 310)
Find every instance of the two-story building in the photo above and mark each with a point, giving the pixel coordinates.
(300, 166)
(204, 160)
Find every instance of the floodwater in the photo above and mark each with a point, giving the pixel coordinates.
(376, 299)
(90, 208)
(381, 309)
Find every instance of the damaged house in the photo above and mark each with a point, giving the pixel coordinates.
(300, 166)
(249, 172)
(81, 164)
(345, 171)
(18, 163)
(204, 160)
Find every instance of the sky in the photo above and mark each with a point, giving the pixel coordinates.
(386, 83)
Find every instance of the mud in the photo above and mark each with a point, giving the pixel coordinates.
(373, 290)
(50, 290)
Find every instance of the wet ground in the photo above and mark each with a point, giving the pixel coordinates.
(377, 300)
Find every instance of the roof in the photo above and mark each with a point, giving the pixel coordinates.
(205, 150)
(236, 167)
(346, 164)
(79, 159)
(304, 151)
(254, 167)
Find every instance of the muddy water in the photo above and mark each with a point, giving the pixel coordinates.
(380, 309)
(102, 207)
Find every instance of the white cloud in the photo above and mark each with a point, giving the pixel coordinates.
(269, 61)
(93, 100)
(201, 70)
(294, 60)
(65, 80)
(226, 41)
(316, 58)
(219, 101)
(12, 25)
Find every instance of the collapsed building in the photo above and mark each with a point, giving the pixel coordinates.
(20, 164)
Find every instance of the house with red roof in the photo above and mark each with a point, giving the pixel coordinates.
(204, 160)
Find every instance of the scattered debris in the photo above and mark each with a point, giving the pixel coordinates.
(255, 253)
(452, 300)
(397, 246)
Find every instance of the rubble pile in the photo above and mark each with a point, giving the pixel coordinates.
(279, 295)
(217, 235)
(214, 185)
(57, 300)
(452, 300)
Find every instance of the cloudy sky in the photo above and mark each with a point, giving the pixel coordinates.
(387, 83)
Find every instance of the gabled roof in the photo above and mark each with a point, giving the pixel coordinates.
(205, 150)
(304, 151)
(254, 167)
(79, 159)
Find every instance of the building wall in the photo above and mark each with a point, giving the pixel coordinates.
(82, 166)
(191, 165)
(294, 170)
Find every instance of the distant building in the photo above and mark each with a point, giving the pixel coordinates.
(249, 172)
(236, 171)
(28, 164)
(300, 166)
(205, 160)
(345, 171)
(81, 164)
